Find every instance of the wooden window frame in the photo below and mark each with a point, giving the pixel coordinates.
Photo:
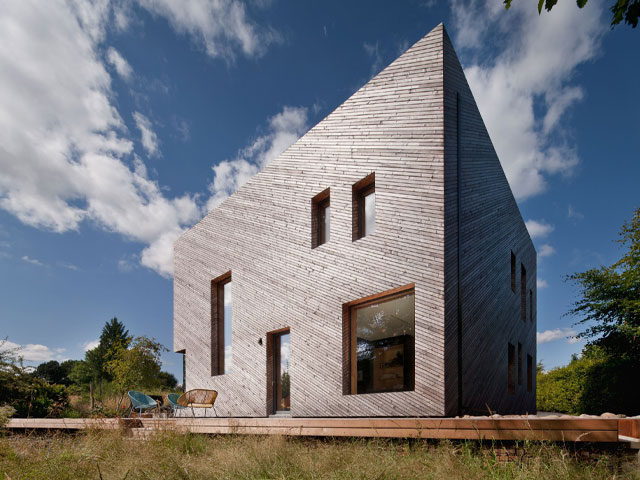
(523, 293)
(360, 190)
(318, 203)
(511, 369)
(217, 323)
(519, 363)
(513, 272)
(350, 365)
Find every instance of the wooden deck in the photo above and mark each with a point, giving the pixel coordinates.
(574, 429)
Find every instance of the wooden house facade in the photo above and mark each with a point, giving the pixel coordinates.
(378, 267)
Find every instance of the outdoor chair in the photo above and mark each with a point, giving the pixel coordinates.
(172, 398)
(199, 398)
(140, 401)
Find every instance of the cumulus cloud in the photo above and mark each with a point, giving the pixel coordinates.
(33, 261)
(525, 90)
(283, 130)
(148, 137)
(221, 27)
(64, 153)
(556, 334)
(86, 346)
(33, 352)
(119, 63)
(545, 250)
(538, 228)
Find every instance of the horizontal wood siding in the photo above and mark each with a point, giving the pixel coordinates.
(393, 127)
(492, 228)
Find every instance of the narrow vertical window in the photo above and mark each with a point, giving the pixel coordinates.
(513, 272)
(321, 219)
(530, 305)
(523, 293)
(184, 369)
(511, 371)
(221, 351)
(364, 207)
(519, 363)
(529, 373)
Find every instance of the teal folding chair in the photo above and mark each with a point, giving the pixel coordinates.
(140, 401)
(173, 403)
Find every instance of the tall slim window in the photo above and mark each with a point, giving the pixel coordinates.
(364, 206)
(519, 363)
(221, 351)
(511, 372)
(523, 293)
(530, 305)
(529, 373)
(382, 342)
(321, 219)
(513, 272)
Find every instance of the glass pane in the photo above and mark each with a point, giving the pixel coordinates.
(385, 346)
(370, 213)
(284, 399)
(327, 223)
(227, 327)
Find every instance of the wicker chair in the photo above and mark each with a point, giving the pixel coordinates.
(199, 398)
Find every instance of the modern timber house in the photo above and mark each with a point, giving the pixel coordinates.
(379, 266)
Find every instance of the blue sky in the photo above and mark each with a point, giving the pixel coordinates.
(123, 122)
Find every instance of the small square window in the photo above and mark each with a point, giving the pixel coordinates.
(364, 207)
(321, 219)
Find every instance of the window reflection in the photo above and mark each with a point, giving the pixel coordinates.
(385, 344)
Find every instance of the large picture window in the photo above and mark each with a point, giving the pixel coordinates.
(221, 350)
(382, 342)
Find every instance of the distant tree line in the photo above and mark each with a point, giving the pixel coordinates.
(604, 377)
(120, 361)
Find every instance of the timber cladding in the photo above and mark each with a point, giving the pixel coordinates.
(393, 129)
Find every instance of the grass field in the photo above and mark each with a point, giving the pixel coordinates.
(109, 455)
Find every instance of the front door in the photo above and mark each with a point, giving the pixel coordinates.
(282, 383)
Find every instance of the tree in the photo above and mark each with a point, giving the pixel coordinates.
(136, 367)
(608, 305)
(27, 394)
(114, 335)
(54, 372)
(609, 302)
(629, 10)
(167, 380)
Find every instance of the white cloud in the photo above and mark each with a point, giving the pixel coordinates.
(119, 63)
(64, 154)
(221, 27)
(33, 352)
(556, 334)
(541, 283)
(86, 346)
(573, 213)
(538, 228)
(373, 51)
(525, 90)
(283, 130)
(69, 266)
(148, 137)
(545, 250)
(33, 261)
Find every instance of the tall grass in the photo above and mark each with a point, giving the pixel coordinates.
(112, 455)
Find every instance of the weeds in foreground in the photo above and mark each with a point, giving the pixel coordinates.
(108, 455)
